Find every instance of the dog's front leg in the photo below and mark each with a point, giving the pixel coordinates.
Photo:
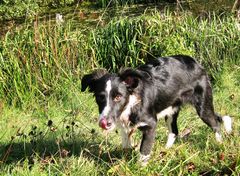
(146, 144)
(126, 139)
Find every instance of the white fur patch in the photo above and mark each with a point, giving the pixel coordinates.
(144, 159)
(141, 124)
(123, 122)
(107, 107)
(167, 112)
(218, 137)
(171, 140)
(124, 117)
(227, 123)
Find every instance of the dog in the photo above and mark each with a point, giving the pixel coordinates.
(137, 98)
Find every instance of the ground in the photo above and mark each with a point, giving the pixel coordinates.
(63, 138)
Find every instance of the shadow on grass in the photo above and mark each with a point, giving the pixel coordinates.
(49, 150)
(201, 142)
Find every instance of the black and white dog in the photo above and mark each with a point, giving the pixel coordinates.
(137, 98)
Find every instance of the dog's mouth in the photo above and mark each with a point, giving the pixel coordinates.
(106, 124)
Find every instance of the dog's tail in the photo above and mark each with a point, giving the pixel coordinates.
(227, 122)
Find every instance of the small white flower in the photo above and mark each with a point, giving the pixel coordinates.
(59, 18)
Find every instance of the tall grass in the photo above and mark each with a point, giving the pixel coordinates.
(43, 65)
(119, 43)
(128, 42)
(37, 61)
(105, 3)
(27, 9)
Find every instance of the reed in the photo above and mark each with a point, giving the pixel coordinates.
(129, 42)
(105, 3)
(36, 61)
(55, 132)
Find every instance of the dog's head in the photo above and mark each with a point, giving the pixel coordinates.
(115, 95)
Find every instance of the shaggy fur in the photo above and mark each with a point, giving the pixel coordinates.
(137, 98)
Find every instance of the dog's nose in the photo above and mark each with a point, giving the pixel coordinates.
(103, 123)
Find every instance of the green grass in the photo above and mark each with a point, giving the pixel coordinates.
(48, 127)
(27, 9)
(36, 61)
(74, 144)
(131, 41)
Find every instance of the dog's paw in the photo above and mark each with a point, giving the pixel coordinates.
(144, 160)
(170, 141)
(218, 137)
(227, 123)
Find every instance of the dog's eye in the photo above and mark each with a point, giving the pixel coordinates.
(117, 98)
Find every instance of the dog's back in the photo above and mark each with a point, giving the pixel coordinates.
(172, 80)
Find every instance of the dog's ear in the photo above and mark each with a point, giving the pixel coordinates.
(89, 79)
(130, 77)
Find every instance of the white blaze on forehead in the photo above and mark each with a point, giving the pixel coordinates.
(109, 86)
(107, 107)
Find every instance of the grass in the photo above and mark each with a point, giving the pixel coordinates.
(36, 61)
(50, 127)
(63, 138)
(130, 42)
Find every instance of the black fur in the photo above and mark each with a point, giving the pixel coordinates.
(159, 84)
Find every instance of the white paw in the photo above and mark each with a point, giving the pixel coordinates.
(144, 160)
(227, 123)
(171, 140)
(218, 137)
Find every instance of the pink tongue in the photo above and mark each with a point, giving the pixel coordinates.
(103, 123)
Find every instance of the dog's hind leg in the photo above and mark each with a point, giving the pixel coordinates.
(171, 121)
(227, 122)
(203, 102)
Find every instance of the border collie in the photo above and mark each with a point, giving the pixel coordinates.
(137, 98)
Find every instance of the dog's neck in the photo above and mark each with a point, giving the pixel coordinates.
(133, 101)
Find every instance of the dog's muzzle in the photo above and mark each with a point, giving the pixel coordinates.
(105, 124)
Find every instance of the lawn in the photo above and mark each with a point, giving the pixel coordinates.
(63, 138)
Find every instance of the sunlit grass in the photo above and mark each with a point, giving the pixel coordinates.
(36, 61)
(64, 138)
(130, 42)
(49, 127)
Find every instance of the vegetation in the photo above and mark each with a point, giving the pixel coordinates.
(213, 40)
(36, 61)
(22, 9)
(106, 3)
(50, 126)
(62, 138)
